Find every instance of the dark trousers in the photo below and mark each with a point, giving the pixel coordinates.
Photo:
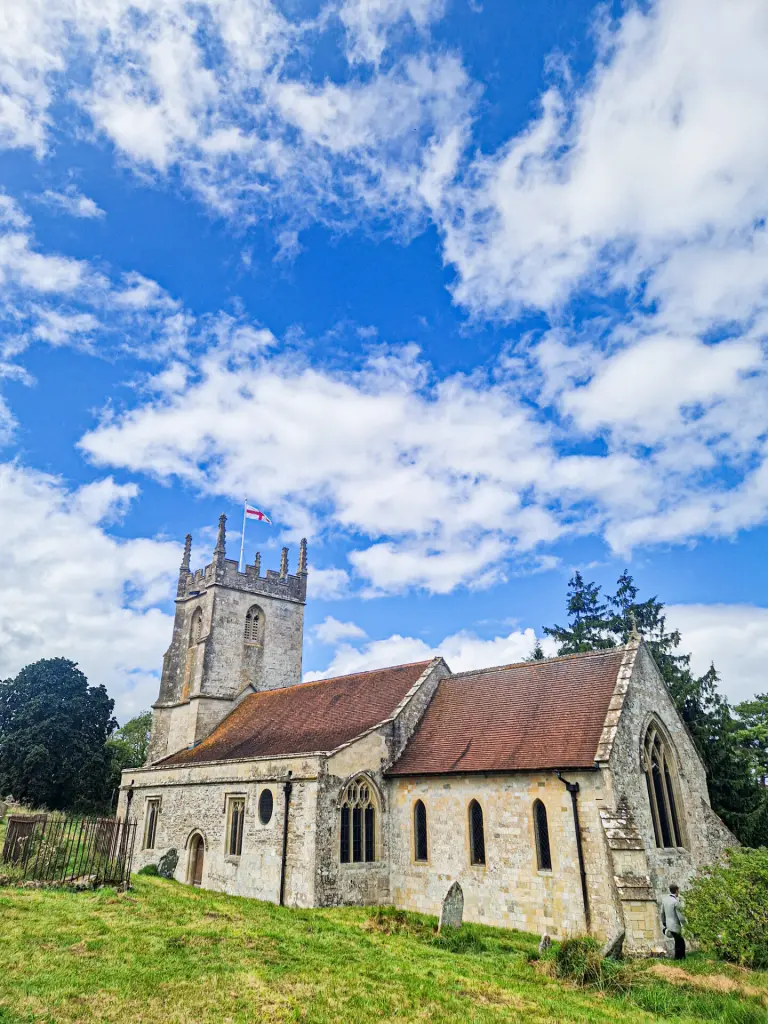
(679, 945)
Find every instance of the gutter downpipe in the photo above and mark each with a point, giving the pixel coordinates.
(573, 789)
(287, 790)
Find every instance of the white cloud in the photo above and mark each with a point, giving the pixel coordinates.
(327, 584)
(71, 201)
(463, 651)
(733, 636)
(331, 630)
(218, 91)
(447, 472)
(72, 590)
(369, 23)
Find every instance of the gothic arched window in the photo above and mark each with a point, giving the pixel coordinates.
(661, 777)
(476, 834)
(196, 627)
(252, 623)
(357, 825)
(420, 848)
(541, 830)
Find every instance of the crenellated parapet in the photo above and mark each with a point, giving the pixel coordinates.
(226, 572)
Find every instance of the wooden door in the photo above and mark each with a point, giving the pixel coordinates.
(198, 856)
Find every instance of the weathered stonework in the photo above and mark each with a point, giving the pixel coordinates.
(625, 872)
(210, 666)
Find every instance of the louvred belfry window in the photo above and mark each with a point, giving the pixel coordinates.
(357, 824)
(661, 778)
(196, 627)
(252, 626)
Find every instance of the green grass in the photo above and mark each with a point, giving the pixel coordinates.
(166, 952)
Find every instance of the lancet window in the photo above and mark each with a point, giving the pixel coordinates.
(541, 830)
(476, 834)
(661, 777)
(420, 847)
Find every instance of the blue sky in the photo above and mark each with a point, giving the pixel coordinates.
(470, 293)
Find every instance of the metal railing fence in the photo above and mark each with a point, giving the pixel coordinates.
(57, 848)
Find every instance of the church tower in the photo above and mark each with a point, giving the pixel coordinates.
(234, 633)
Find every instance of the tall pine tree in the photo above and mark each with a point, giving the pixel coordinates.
(588, 619)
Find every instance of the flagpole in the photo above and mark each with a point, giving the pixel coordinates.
(242, 538)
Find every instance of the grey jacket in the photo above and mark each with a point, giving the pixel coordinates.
(672, 917)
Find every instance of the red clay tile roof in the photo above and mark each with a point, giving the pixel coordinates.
(536, 715)
(305, 718)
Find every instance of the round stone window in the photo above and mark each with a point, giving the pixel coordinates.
(266, 803)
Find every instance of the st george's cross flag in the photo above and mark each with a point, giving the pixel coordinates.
(254, 513)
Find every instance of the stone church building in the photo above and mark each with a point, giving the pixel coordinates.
(563, 795)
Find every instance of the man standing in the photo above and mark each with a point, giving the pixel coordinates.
(672, 920)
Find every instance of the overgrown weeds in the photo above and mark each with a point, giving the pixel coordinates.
(579, 960)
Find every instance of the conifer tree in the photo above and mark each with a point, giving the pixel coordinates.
(753, 733)
(588, 625)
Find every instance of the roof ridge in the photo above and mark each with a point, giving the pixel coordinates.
(539, 661)
(335, 679)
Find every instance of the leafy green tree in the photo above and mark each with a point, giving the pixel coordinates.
(129, 746)
(53, 733)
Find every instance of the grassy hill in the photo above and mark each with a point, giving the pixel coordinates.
(168, 953)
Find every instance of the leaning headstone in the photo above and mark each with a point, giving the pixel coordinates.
(166, 866)
(545, 943)
(452, 912)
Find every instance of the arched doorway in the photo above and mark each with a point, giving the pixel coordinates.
(196, 860)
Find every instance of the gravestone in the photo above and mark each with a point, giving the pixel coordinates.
(545, 943)
(452, 912)
(166, 866)
(3, 809)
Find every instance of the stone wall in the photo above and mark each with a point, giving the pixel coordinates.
(647, 698)
(509, 891)
(194, 799)
(366, 884)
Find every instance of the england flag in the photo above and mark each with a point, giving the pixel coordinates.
(254, 513)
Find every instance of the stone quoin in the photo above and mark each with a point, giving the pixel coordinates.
(562, 795)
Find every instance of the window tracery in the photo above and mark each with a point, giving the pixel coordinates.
(357, 824)
(661, 778)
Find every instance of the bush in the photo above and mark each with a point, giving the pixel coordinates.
(579, 960)
(148, 869)
(727, 908)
